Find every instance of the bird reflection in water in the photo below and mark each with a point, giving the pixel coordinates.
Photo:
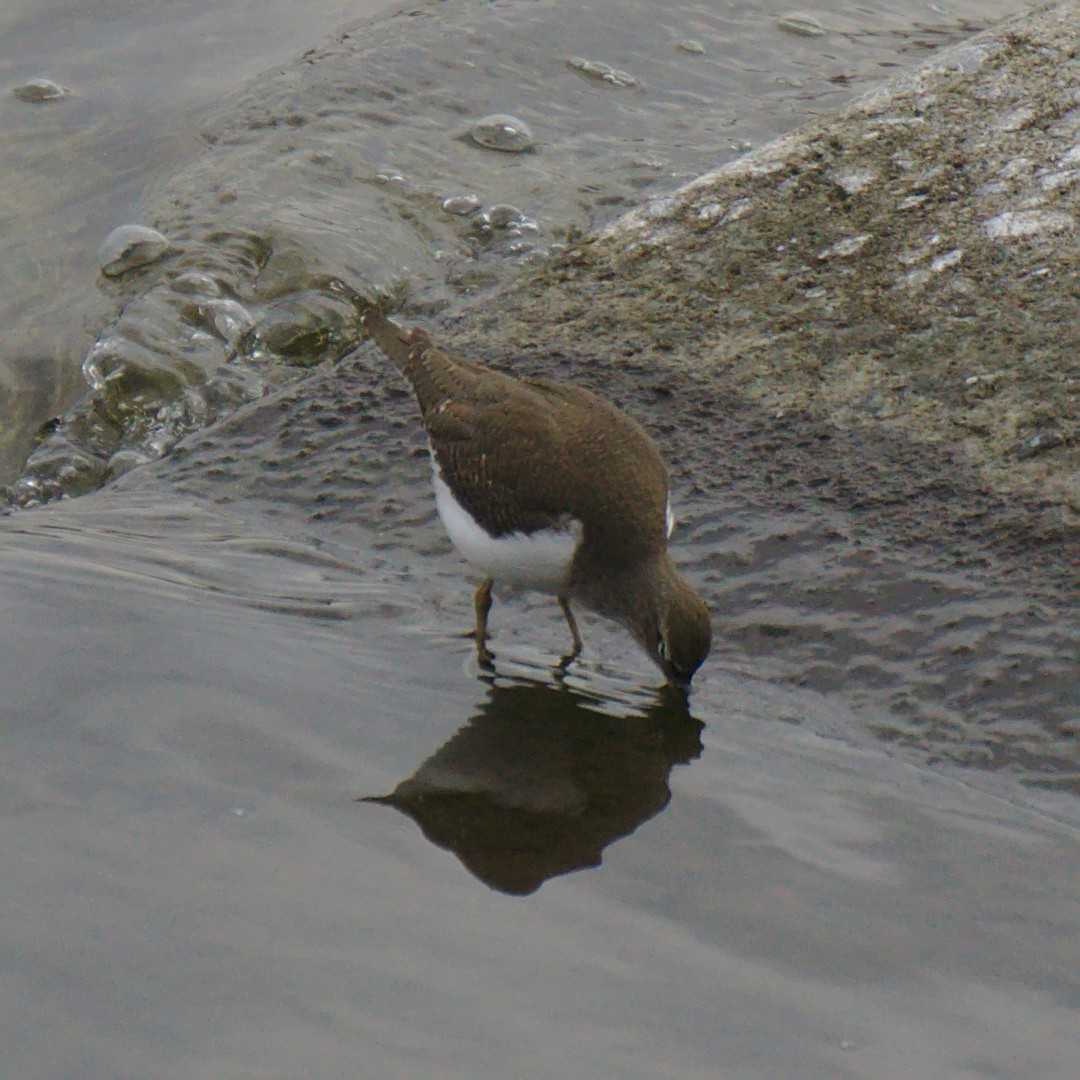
(541, 780)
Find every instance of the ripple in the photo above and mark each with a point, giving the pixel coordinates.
(797, 22)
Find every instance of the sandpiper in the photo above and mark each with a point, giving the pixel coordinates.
(546, 486)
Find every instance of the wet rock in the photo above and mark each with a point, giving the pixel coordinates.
(695, 48)
(500, 131)
(130, 246)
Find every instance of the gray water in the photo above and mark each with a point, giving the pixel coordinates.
(210, 659)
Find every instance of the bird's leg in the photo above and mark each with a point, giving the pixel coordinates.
(575, 652)
(482, 602)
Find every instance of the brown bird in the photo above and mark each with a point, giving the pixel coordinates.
(544, 485)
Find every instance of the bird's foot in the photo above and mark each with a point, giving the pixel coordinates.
(563, 666)
(485, 657)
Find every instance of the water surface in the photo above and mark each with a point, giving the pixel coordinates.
(206, 663)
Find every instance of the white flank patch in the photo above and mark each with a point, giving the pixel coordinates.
(539, 560)
(670, 518)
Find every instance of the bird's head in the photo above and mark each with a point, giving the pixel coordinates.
(676, 630)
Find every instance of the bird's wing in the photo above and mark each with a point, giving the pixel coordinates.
(562, 465)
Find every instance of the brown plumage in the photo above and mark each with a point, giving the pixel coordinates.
(522, 455)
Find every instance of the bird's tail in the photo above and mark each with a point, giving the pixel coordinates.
(402, 346)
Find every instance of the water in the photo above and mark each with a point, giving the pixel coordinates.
(210, 659)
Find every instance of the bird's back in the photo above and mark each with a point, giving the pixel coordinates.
(521, 453)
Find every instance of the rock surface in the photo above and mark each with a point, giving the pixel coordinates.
(901, 276)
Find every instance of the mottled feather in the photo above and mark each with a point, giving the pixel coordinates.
(562, 463)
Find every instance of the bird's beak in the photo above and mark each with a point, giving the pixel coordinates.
(678, 681)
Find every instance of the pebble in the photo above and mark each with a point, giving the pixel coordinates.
(129, 246)
(691, 46)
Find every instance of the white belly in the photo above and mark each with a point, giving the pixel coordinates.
(539, 560)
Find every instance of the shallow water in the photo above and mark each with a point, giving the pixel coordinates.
(208, 662)
(190, 888)
(140, 75)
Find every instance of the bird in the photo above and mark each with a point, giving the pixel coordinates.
(544, 485)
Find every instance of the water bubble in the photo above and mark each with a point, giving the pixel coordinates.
(56, 466)
(230, 319)
(125, 460)
(519, 228)
(593, 69)
(461, 204)
(195, 283)
(500, 131)
(797, 22)
(37, 90)
(129, 246)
